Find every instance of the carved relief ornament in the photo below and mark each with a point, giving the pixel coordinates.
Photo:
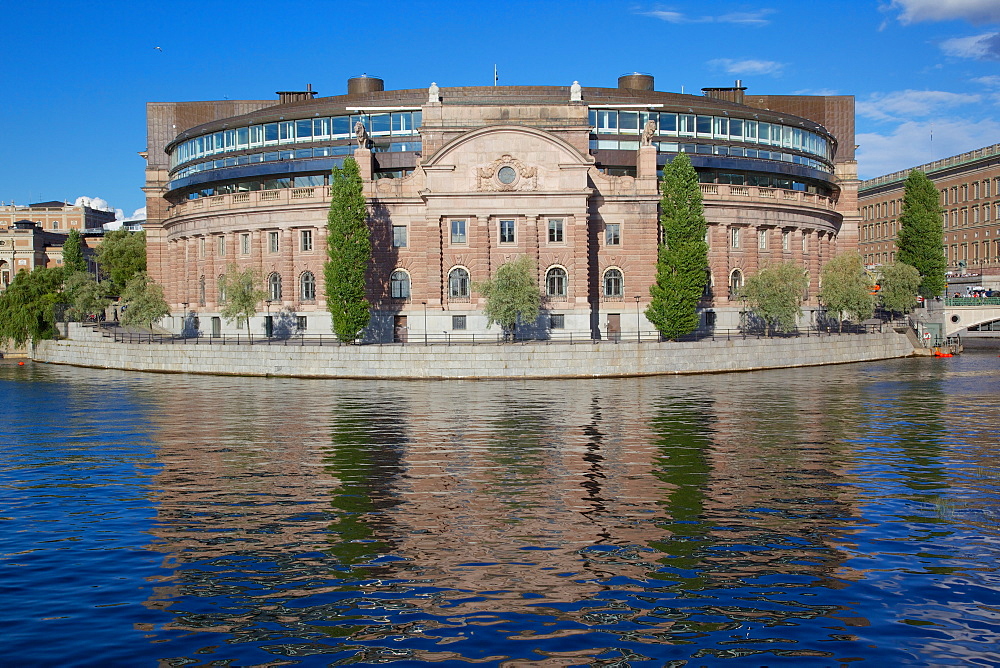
(506, 174)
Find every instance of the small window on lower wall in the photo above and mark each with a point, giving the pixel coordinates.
(303, 322)
(557, 321)
(458, 322)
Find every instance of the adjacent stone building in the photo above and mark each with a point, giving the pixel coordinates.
(969, 184)
(461, 180)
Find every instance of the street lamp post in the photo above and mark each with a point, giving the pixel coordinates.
(268, 328)
(184, 317)
(425, 321)
(638, 320)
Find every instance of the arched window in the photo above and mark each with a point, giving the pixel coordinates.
(614, 284)
(735, 283)
(458, 283)
(307, 287)
(399, 284)
(274, 287)
(555, 282)
(221, 282)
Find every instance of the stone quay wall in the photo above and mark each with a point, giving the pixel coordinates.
(88, 348)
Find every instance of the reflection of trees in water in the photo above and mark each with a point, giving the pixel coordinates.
(367, 438)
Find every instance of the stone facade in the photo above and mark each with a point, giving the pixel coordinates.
(488, 175)
(969, 184)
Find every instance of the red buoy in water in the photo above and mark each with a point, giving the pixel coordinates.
(20, 363)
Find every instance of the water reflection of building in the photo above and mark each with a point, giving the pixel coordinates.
(502, 497)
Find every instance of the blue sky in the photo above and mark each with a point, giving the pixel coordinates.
(76, 75)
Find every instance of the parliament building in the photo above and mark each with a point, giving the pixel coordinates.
(460, 180)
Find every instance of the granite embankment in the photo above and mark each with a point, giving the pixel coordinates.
(86, 347)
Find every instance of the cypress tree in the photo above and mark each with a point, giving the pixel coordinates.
(921, 235)
(73, 258)
(349, 249)
(682, 257)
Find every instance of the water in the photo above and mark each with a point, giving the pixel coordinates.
(818, 517)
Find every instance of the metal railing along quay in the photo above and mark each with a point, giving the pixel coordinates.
(447, 338)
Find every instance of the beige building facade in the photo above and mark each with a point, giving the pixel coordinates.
(969, 187)
(462, 180)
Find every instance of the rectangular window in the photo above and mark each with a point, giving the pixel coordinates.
(734, 237)
(762, 239)
(272, 242)
(612, 234)
(458, 232)
(245, 244)
(306, 240)
(557, 321)
(785, 240)
(202, 244)
(506, 231)
(399, 236)
(805, 242)
(555, 230)
(458, 322)
(303, 322)
(222, 247)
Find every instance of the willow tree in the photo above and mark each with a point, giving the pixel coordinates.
(145, 301)
(847, 289)
(349, 249)
(511, 294)
(898, 287)
(775, 295)
(27, 306)
(921, 235)
(240, 292)
(682, 257)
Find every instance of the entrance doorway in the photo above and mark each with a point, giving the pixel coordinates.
(216, 326)
(399, 329)
(614, 326)
(269, 326)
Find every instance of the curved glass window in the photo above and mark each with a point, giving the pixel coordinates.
(399, 285)
(274, 287)
(396, 124)
(307, 286)
(614, 284)
(458, 283)
(618, 122)
(555, 282)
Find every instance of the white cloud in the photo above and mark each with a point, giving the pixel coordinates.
(909, 103)
(95, 203)
(992, 81)
(817, 91)
(911, 144)
(755, 18)
(974, 11)
(746, 67)
(981, 47)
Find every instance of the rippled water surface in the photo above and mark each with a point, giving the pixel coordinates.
(817, 517)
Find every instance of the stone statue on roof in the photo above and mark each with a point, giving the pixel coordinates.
(362, 134)
(576, 92)
(647, 133)
(433, 93)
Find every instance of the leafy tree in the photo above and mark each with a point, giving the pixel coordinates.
(847, 288)
(921, 235)
(27, 306)
(122, 255)
(775, 295)
(73, 259)
(349, 249)
(243, 292)
(144, 300)
(898, 287)
(512, 292)
(85, 295)
(682, 258)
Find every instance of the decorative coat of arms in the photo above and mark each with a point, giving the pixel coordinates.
(506, 174)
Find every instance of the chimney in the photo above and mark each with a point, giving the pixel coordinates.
(734, 94)
(286, 96)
